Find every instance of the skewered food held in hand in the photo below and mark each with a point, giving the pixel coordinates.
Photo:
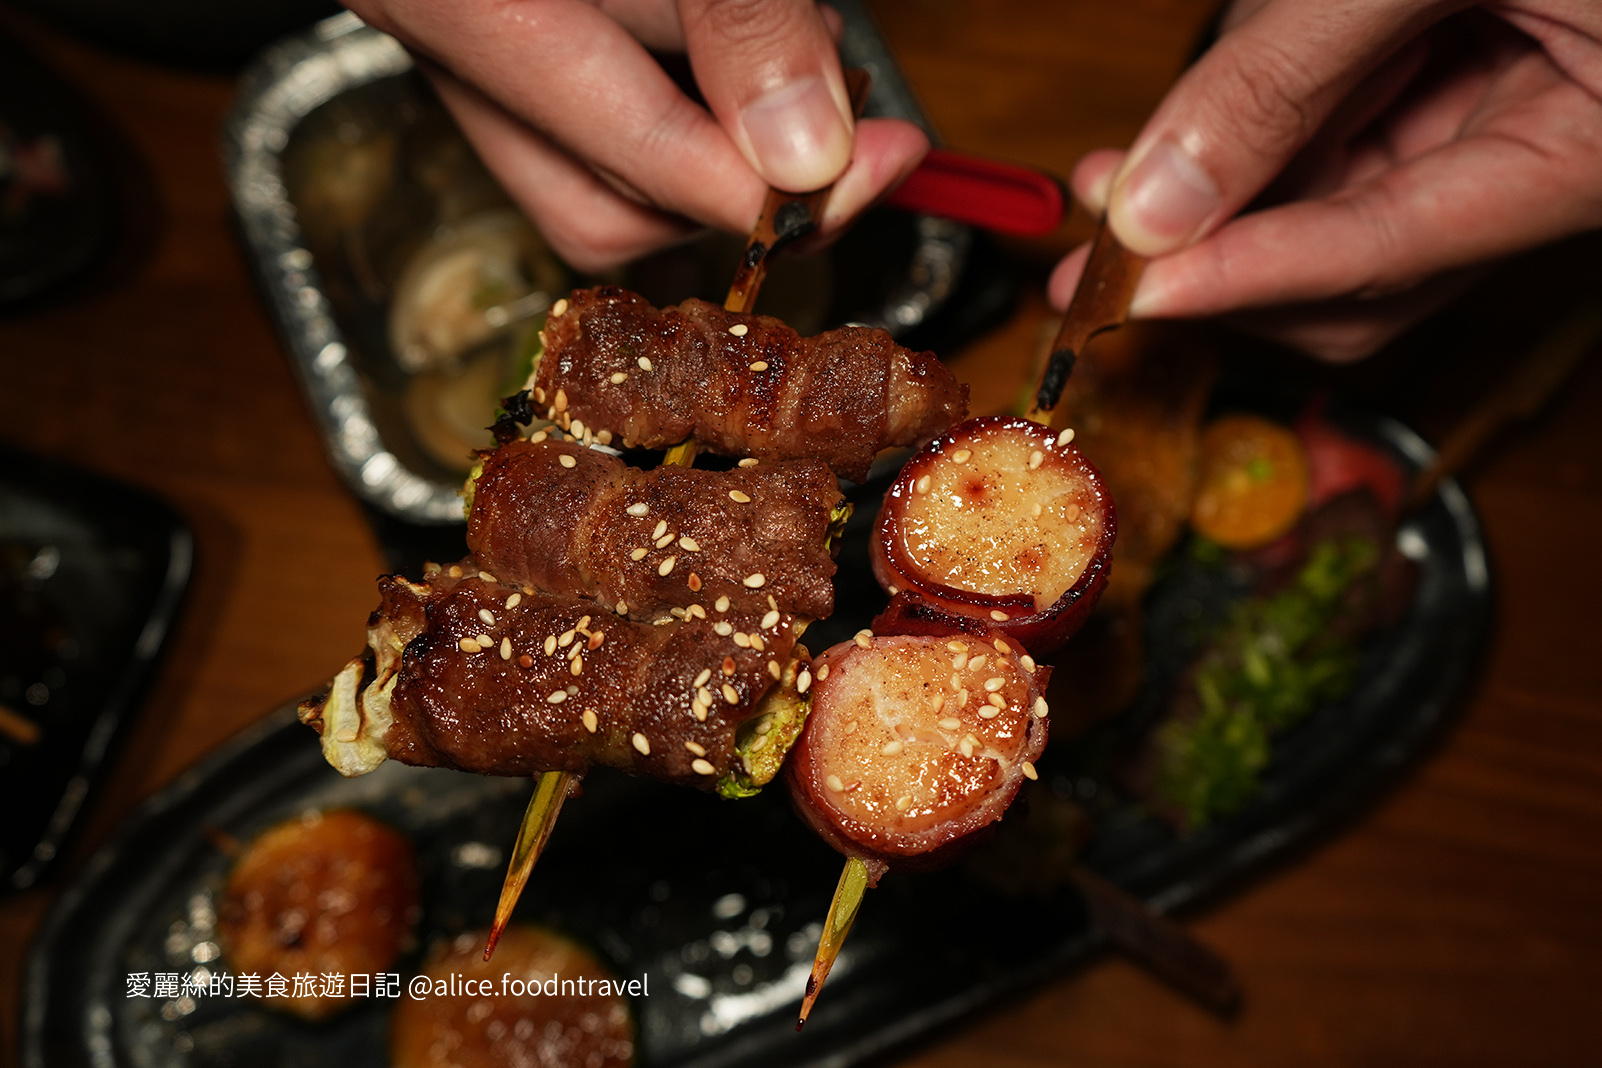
(1001, 520)
(545, 1002)
(576, 522)
(470, 673)
(325, 893)
(738, 384)
(915, 743)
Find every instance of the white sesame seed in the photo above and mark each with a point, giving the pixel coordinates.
(965, 747)
(577, 665)
(755, 581)
(703, 696)
(639, 553)
(1071, 513)
(959, 661)
(347, 734)
(567, 461)
(666, 565)
(1040, 708)
(938, 702)
(696, 747)
(1036, 458)
(961, 456)
(604, 437)
(506, 648)
(749, 461)
(468, 645)
(561, 400)
(695, 611)
(742, 639)
(700, 680)
(803, 681)
(639, 508)
(833, 783)
(988, 711)
(722, 628)
(758, 644)
(730, 694)
(559, 308)
(1028, 663)
(721, 604)
(998, 615)
(759, 365)
(977, 663)
(539, 437)
(893, 747)
(557, 697)
(739, 329)
(956, 682)
(950, 723)
(689, 544)
(484, 641)
(550, 644)
(700, 712)
(823, 672)
(665, 540)
(922, 485)
(514, 600)
(566, 639)
(1065, 437)
(486, 576)
(1029, 771)
(642, 743)
(957, 647)
(702, 767)
(774, 669)
(590, 720)
(661, 529)
(771, 619)
(763, 726)
(962, 697)
(994, 683)
(903, 803)
(487, 616)
(739, 498)
(863, 637)
(645, 364)
(619, 377)
(621, 608)
(576, 428)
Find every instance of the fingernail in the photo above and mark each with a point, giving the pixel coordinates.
(800, 137)
(1161, 204)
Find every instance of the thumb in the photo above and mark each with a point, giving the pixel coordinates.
(1233, 121)
(770, 73)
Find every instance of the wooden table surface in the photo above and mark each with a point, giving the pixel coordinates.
(1455, 921)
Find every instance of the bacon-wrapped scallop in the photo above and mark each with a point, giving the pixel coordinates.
(1000, 520)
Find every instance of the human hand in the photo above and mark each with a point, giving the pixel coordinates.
(605, 153)
(1384, 149)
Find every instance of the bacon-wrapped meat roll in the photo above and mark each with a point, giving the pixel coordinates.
(469, 673)
(576, 522)
(742, 385)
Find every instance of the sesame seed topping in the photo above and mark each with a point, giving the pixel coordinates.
(749, 461)
(566, 639)
(961, 456)
(514, 600)
(721, 604)
(723, 628)
(803, 681)
(903, 802)
(661, 529)
(1036, 510)
(950, 723)
(702, 767)
(1071, 513)
(739, 498)
(956, 682)
(922, 485)
(962, 697)
(696, 747)
(1029, 771)
(645, 364)
(997, 701)
(977, 663)
(666, 565)
(484, 641)
(700, 680)
(567, 461)
(487, 616)
(639, 508)
(739, 329)
(1028, 663)
(863, 637)
(938, 702)
(591, 721)
(538, 437)
(728, 665)
(550, 644)
(771, 619)
(759, 365)
(604, 437)
(561, 400)
(823, 672)
(742, 639)
(994, 683)
(758, 644)
(700, 712)
(1036, 458)
(506, 648)
(577, 666)
(576, 428)
(621, 608)
(456, 571)
(639, 553)
(539, 394)
(468, 645)
(525, 660)
(557, 697)
(665, 540)
(703, 696)
(559, 308)
(347, 734)
(998, 615)
(528, 591)
(833, 782)
(1065, 437)
(730, 694)
(487, 577)
(774, 669)
(755, 581)
(695, 611)
(619, 377)
(957, 647)
(642, 743)
(965, 747)
(689, 544)
(959, 661)
(893, 747)
(1040, 708)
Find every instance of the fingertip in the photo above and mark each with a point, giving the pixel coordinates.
(887, 150)
(1092, 178)
(799, 134)
(832, 20)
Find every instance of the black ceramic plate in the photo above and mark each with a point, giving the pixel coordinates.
(91, 573)
(717, 903)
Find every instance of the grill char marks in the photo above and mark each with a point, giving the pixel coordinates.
(742, 385)
(461, 703)
(569, 530)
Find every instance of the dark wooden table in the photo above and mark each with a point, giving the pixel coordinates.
(1454, 921)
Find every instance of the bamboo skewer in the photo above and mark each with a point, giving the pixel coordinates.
(848, 897)
(785, 218)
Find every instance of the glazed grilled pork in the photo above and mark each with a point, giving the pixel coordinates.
(741, 385)
(576, 522)
(469, 673)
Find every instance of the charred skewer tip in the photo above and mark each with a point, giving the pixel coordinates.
(1058, 370)
(842, 914)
